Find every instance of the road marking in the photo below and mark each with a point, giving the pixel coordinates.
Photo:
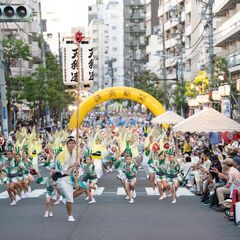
(120, 191)
(181, 192)
(36, 193)
(99, 191)
(4, 195)
(151, 192)
(184, 192)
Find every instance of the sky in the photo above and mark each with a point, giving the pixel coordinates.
(63, 15)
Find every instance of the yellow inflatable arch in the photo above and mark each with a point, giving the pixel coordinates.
(115, 93)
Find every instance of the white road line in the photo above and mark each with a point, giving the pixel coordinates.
(4, 195)
(99, 191)
(120, 191)
(151, 192)
(36, 193)
(181, 192)
(184, 192)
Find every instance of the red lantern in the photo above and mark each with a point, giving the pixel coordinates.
(155, 147)
(79, 37)
(1, 141)
(166, 145)
(47, 150)
(33, 171)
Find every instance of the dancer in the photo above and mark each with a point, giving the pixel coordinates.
(172, 171)
(51, 196)
(89, 177)
(63, 171)
(130, 171)
(160, 169)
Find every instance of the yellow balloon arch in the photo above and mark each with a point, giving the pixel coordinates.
(111, 93)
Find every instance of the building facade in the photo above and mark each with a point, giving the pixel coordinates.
(106, 34)
(180, 34)
(134, 24)
(227, 33)
(30, 33)
(114, 73)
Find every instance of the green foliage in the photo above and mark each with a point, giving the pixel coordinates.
(148, 82)
(220, 69)
(13, 50)
(45, 87)
(179, 95)
(190, 89)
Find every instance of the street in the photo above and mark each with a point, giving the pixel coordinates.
(112, 218)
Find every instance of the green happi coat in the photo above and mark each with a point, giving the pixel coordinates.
(130, 170)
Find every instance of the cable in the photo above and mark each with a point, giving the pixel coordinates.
(21, 29)
(225, 28)
(194, 49)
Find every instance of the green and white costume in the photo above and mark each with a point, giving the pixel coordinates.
(172, 171)
(21, 169)
(160, 169)
(27, 166)
(151, 166)
(89, 173)
(11, 169)
(130, 171)
(50, 187)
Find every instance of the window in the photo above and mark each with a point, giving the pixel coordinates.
(114, 38)
(114, 49)
(114, 27)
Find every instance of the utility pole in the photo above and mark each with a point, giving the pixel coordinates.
(4, 112)
(207, 15)
(211, 49)
(177, 13)
(161, 37)
(43, 60)
(110, 66)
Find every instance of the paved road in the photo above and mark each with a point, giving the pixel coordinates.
(112, 218)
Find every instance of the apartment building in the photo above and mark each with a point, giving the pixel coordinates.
(181, 36)
(106, 33)
(114, 73)
(96, 32)
(134, 13)
(227, 33)
(28, 32)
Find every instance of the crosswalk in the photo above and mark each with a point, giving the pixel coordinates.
(100, 191)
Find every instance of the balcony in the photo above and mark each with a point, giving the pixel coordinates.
(170, 62)
(223, 5)
(167, 25)
(229, 31)
(160, 11)
(234, 62)
(170, 43)
(172, 75)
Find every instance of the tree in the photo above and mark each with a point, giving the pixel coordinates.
(57, 98)
(14, 49)
(46, 89)
(179, 97)
(149, 82)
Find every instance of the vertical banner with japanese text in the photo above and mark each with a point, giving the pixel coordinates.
(70, 64)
